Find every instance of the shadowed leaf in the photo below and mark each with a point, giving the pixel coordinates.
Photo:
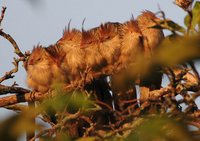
(160, 129)
(178, 50)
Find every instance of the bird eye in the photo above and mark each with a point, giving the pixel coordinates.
(89, 42)
(38, 59)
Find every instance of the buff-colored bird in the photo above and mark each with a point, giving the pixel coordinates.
(102, 46)
(90, 44)
(131, 47)
(110, 43)
(43, 68)
(152, 37)
(73, 63)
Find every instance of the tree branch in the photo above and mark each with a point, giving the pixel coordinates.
(11, 89)
(2, 14)
(9, 75)
(18, 98)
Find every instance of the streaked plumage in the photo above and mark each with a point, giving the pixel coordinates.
(110, 43)
(73, 62)
(43, 68)
(131, 46)
(90, 44)
(152, 37)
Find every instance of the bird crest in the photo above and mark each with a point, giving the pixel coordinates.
(148, 14)
(56, 53)
(107, 31)
(132, 26)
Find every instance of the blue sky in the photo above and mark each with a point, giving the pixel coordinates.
(43, 22)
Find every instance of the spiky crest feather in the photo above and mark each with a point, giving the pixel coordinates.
(37, 48)
(89, 37)
(132, 26)
(148, 14)
(108, 31)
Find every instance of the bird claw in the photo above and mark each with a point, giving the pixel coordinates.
(32, 95)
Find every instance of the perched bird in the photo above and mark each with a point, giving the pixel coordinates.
(73, 63)
(99, 56)
(131, 42)
(131, 47)
(110, 43)
(102, 46)
(43, 68)
(152, 37)
(90, 43)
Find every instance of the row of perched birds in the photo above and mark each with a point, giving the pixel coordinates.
(102, 50)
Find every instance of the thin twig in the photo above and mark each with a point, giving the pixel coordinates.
(106, 105)
(2, 14)
(194, 124)
(41, 133)
(190, 22)
(63, 122)
(9, 74)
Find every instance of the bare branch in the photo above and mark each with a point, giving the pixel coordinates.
(9, 75)
(63, 122)
(2, 14)
(18, 98)
(11, 89)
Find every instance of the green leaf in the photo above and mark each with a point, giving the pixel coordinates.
(187, 20)
(13, 127)
(160, 128)
(175, 26)
(195, 17)
(170, 25)
(175, 50)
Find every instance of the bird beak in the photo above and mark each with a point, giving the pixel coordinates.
(30, 62)
(26, 65)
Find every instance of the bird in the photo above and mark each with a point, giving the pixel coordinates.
(152, 37)
(73, 63)
(99, 58)
(110, 43)
(122, 83)
(90, 44)
(43, 68)
(131, 42)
